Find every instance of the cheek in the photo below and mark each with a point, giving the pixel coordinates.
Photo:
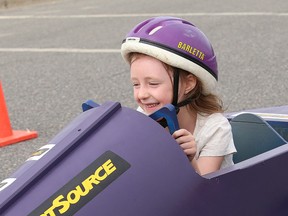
(167, 95)
(135, 93)
(168, 99)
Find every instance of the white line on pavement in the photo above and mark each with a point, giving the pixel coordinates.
(143, 15)
(59, 50)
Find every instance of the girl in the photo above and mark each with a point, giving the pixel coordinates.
(172, 61)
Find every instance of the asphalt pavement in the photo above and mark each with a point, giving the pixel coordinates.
(54, 55)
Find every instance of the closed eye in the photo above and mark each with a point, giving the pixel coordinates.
(135, 84)
(153, 84)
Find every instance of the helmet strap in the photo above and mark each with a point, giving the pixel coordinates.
(175, 89)
(175, 93)
(175, 103)
(186, 102)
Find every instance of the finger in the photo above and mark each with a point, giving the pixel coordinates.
(185, 139)
(190, 152)
(180, 132)
(188, 146)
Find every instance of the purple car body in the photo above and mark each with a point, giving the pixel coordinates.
(112, 160)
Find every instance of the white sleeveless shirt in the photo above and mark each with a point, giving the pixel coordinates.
(213, 137)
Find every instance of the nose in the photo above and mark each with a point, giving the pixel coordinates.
(142, 93)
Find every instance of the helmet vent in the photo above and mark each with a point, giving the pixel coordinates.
(155, 30)
(141, 25)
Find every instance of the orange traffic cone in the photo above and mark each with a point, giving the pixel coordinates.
(7, 135)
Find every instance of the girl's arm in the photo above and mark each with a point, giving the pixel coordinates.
(202, 165)
(207, 164)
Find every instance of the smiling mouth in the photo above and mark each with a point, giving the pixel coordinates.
(149, 106)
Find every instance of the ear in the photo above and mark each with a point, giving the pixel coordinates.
(190, 83)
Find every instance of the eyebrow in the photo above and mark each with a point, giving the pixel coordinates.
(147, 78)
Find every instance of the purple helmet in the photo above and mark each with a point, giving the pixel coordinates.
(177, 43)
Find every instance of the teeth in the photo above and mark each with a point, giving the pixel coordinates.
(151, 105)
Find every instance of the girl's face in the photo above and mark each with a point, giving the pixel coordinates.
(152, 83)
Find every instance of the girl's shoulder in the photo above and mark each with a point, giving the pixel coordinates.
(203, 119)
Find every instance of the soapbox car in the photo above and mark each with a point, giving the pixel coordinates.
(112, 160)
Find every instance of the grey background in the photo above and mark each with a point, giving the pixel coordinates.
(44, 90)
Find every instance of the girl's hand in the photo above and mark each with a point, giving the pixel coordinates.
(186, 141)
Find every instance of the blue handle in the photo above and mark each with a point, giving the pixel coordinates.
(89, 104)
(168, 112)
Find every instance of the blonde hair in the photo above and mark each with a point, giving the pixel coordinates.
(207, 104)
